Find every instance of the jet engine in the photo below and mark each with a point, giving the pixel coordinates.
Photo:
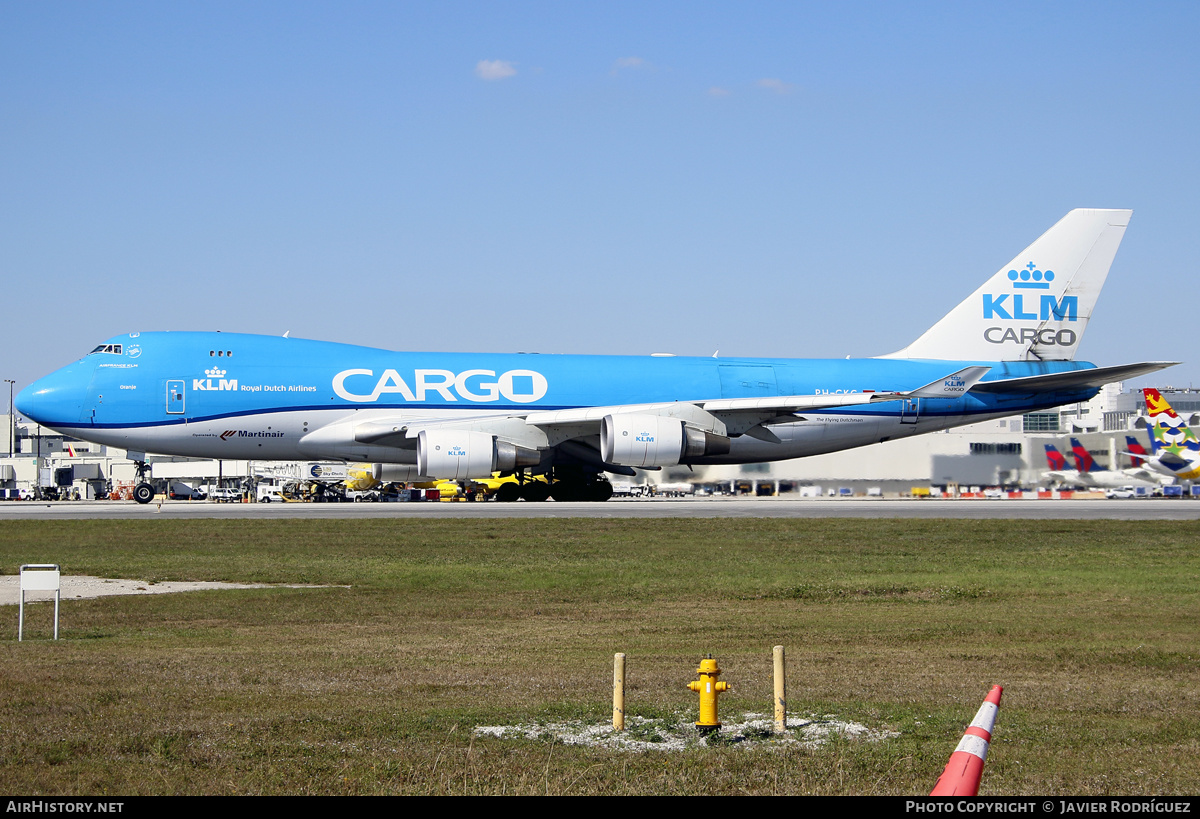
(455, 454)
(654, 440)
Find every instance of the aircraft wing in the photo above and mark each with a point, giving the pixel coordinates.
(553, 427)
(1062, 476)
(735, 416)
(723, 416)
(1073, 380)
(1143, 474)
(708, 424)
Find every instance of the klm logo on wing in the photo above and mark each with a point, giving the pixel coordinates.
(1023, 305)
(955, 386)
(214, 380)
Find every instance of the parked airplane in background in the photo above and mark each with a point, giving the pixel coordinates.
(1092, 474)
(1175, 450)
(1060, 472)
(1087, 473)
(1008, 348)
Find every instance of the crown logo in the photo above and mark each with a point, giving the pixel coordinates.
(1030, 278)
(215, 372)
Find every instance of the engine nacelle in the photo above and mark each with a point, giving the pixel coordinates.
(698, 444)
(400, 473)
(655, 440)
(641, 440)
(458, 455)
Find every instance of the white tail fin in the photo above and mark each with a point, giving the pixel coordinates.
(1037, 306)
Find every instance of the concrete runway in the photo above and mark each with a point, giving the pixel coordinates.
(1147, 509)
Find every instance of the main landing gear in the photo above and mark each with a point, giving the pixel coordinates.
(566, 487)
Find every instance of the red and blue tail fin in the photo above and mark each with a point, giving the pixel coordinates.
(1056, 460)
(1135, 448)
(1084, 461)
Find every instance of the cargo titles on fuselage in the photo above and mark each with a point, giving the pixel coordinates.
(518, 386)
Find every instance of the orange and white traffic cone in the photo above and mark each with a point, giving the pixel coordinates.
(965, 768)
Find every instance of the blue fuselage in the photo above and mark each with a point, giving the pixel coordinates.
(222, 395)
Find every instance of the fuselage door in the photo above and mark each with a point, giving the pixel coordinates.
(747, 380)
(910, 410)
(175, 397)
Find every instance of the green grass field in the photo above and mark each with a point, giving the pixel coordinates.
(427, 629)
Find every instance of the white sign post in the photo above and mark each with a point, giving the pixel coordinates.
(40, 577)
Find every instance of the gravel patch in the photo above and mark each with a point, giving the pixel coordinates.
(640, 734)
(83, 587)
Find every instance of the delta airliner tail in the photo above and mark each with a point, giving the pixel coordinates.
(1084, 461)
(1137, 453)
(1055, 459)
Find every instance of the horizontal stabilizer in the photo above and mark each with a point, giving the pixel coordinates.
(1171, 460)
(954, 385)
(1073, 380)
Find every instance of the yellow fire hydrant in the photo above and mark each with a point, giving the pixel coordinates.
(709, 687)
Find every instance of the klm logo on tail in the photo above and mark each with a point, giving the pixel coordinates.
(1031, 278)
(1016, 307)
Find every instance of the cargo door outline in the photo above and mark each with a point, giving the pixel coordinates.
(175, 397)
(747, 380)
(910, 410)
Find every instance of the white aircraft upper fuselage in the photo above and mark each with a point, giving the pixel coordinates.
(465, 415)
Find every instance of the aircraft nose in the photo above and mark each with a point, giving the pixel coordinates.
(56, 399)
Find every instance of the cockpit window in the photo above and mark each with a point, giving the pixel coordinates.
(107, 348)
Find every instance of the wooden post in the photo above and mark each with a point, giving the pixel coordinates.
(618, 692)
(780, 692)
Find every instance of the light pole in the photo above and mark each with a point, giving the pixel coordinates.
(12, 422)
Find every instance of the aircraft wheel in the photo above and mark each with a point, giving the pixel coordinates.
(535, 492)
(508, 492)
(564, 491)
(143, 493)
(600, 491)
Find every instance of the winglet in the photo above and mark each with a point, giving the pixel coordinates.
(954, 385)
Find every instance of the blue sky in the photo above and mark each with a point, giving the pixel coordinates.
(769, 179)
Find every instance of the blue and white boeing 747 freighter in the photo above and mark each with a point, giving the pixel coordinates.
(1009, 348)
